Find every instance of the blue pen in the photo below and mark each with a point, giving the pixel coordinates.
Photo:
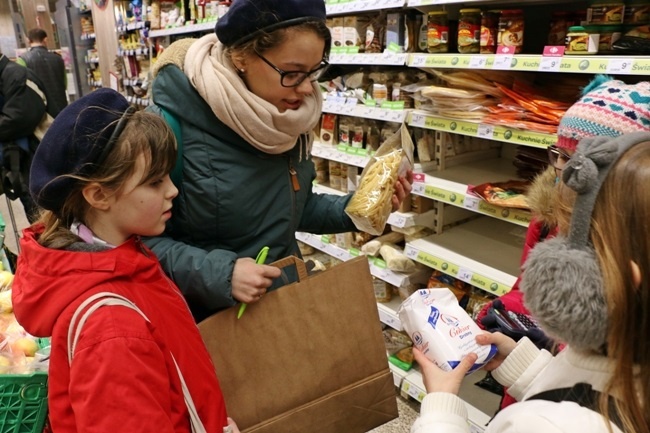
(260, 259)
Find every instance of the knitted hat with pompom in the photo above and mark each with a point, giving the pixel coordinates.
(607, 108)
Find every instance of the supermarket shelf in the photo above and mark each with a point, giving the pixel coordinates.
(377, 268)
(637, 65)
(484, 252)
(342, 153)
(383, 59)
(344, 7)
(324, 189)
(388, 312)
(351, 107)
(398, 375)
(450, 186)
(191, 28)
(422, 119)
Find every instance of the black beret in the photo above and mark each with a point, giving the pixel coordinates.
(74, 143)
(247, 18)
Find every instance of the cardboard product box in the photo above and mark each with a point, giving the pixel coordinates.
(337, 32)
(328, 130)
(396, 29)
(354, 31)
(308, 357)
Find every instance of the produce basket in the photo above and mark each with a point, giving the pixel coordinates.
(23, 402)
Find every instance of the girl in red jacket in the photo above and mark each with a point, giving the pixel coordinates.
(126, 354)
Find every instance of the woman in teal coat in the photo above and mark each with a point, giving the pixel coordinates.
(247, 100)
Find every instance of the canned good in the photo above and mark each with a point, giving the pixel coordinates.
(606, 13)
(469, 31)
(437, 32)
(489, 30)
(637, 12)
(560, 22)
(608, 35)
(511, 29)
(582, 40)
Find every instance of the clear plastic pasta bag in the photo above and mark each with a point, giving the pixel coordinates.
(371, 204)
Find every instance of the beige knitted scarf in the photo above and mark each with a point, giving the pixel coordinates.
(260, 123)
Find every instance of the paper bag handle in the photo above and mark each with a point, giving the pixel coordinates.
(292, 260)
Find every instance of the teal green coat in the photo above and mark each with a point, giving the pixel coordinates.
(233, 200)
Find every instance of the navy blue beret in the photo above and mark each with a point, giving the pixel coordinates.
(247, 18)
(75, 141)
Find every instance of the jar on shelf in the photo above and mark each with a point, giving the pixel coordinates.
(469, 31)
(608, 35)
(637, 12)
(560, 22)
(606, 12)
(582, 40)
(437, 32)
(489, 30)
(511, 29)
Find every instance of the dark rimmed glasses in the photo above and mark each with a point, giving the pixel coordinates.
(558, 157)
(295, 78)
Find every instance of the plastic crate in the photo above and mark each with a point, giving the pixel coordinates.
(23, 402)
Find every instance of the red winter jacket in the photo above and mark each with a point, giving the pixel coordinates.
(122, 376)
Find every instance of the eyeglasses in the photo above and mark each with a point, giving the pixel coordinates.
(558, 157)
(295, 78)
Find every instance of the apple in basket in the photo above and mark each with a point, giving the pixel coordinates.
(25, 346)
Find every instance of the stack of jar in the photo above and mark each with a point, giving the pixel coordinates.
(478, 31)
(605, 22)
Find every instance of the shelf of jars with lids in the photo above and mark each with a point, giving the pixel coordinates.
(575, 36)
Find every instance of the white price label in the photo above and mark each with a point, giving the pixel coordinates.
(327, 105)
(415, 2)
(396, 116)
(465, 275)
(471, 202)
(418, 60)
(485, 131)
(411, 252)
(418, 188)
(550, 64)
(397, 220)
(619, 66)
(383, 114)
(477, 61)
(416, 393)
(417, 120)
(367, 112)
(502, 62)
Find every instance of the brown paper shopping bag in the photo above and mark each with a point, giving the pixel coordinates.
(307, 358)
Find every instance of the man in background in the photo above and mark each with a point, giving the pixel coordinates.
(22, 110)
(49, 68)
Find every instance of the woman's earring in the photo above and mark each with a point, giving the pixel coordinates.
(242, 71)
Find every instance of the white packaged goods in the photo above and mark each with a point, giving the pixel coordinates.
(441, 329)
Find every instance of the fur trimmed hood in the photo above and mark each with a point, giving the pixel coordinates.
(542, 195)
(173, 55)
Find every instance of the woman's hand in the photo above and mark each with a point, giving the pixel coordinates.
(250, 281)
(402, 189)
(505, 345)
(437, 380)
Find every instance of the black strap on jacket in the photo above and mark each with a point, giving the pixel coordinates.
(584, 395)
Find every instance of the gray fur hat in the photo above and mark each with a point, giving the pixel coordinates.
(562, 283)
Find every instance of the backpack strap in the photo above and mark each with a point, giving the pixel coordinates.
(102, 299)
(582, 394)
(174, 124)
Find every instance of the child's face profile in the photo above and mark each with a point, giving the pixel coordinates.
(140, 208)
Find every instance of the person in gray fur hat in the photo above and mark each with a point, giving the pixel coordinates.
(588, 287)
(246, 101)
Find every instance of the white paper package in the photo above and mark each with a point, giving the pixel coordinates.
(442, 330)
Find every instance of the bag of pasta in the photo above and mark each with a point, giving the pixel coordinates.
(371, 204)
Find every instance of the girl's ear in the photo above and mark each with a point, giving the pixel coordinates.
(96, 196)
